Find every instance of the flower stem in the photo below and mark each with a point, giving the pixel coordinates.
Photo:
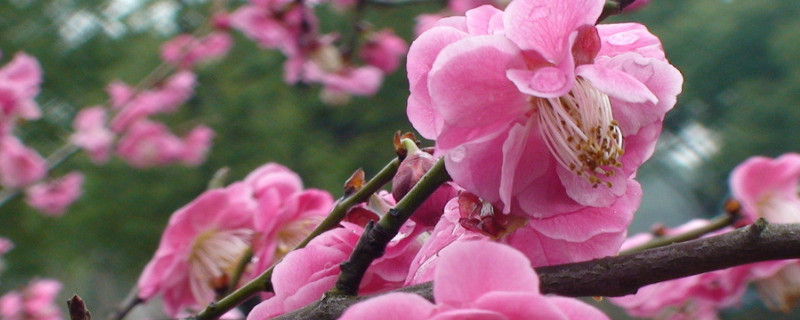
(376, 236)
(713, 225)
(264, 281)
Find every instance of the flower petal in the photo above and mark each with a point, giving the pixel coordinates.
(548, 27)
(421, 55)
(468, 85)
(469, 269)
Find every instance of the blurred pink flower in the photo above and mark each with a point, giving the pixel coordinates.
(19, 165)
(478, 280)
(203, 243)
(34, 302)
(384, 50)
(53, 197)
(196, 145)
(92, 134)
(426, 21)
(134, 106)
(148, 144)
(694, 297)
(767, 188)
(185, 50)
(5, 246)
(275, 24)
(304, 275)
(20, 80)
(287, 213)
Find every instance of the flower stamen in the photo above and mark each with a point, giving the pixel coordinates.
(581, 133)
(214, 256)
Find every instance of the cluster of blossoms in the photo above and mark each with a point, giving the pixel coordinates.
(542, 119)
(766, 188)
(35, 302)
(206, 241)
(312, 57)
(139, 140)
(21, 166)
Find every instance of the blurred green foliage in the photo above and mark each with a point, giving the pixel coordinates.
(739, 59)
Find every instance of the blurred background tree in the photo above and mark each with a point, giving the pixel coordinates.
(741, 96)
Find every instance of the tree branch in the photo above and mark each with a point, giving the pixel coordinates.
(622, 275)
(376, 236)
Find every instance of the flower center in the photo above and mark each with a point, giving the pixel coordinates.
(778, 208)
(580, 132)
(293, 233)
(215, 255)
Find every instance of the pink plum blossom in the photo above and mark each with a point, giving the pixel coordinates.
(287, 213)
(92, 134)
(134, 106)
(449, 230)
(478, 280)
(203, 243)
(275, 24)
(196, 145)
(544, 114)
(767, 188)
(325, 65)
(149, 144)
(186, 50)
(53, 197)
(19, 165)
(694, 297)
(20, 80)
(305, 274)
(34, 302)
(384, 50)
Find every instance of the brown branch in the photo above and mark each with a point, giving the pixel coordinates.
(622, 275)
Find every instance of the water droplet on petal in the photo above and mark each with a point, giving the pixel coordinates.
(622, 39)
(458, 154)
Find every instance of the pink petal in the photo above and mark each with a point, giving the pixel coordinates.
(586, 193)
(519, 305)
(421, 55)
(588, 222)
(546, 196)
(545, 82)
(480, 20)
(545, 251)
(616, 84)
(577, 310)
(548, 27)
(462, 277)
(469, 314)
(620, 38)
(661, 78)
(392, 306)
(468, 85)
(517, 174)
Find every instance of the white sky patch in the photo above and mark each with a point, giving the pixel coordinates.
(692, 146)
(160, 17)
